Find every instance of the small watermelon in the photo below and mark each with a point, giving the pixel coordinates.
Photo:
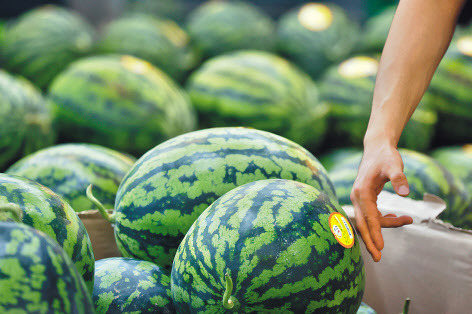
(267, 246)
(424, 174)
(376, 30)
(458, 160)
(260, 90)
(217, 27)
(26, 124)
(171, 185)
(336, 156)
(161, 42)
(316, 35)
(42, 42)
(121, 102)
(47, 212)
(68, 170)
(365, 309)
(127, 285)
(36, 276)
(348, 89)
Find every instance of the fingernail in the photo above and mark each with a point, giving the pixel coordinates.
(404, 190)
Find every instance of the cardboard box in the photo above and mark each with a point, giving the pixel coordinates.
(429, 261)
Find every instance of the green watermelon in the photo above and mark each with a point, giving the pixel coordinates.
(376, 30)
(120, 102)
(171, 185)
(168, 9)
(218, 27)
(316, 35)
(336, 156)
(458, 160)
(450, 91)
(47, 212)
(365, 309)
(26, 119)
(348, 89)
(36, 276)
(68, 170)
(127, 285)
(267, 246)
(424, 174)
(42, 42)
(259, 90)
(161, 42)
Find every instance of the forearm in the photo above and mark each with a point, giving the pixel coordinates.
(419, 36)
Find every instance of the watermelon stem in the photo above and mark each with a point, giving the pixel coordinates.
(13, 209)
(406, 306)
(105, 214)
(229, 302)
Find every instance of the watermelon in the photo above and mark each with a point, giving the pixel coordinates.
(450, 91)
(26, 119)
(336, 156)
(161, 42)
(267, 247)
(171, 185)
(68, 170)
(42, 42)
(376, 30)
(348, 89)
(36, 275)
(458, 160)
(316, 35)
(218, 27)
(47, 212)
(121, 102)
(168, 9)
(127, 285)
(365, 309)
(424, 174)
(260, 90)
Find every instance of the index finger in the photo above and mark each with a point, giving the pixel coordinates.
(367, 200)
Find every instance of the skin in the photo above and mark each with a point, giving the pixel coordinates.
(419, 36)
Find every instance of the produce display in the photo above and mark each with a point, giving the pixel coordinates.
(121, 102)
(217, 27)
(42, 42)
(259, 90)
(458, 160)
(161, 42)
(26, 119)
(68, 170)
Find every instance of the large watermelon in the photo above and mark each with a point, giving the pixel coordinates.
(68, 170)
(450, 90)
(376, 30)
(267, 246)
(42, 42)
(458, 160)
(26, 120)
(334, 157)
(36, 276)
(120, 102)
(170, 186)
(348, 89)
(128, 285)
(424, 174)
(316, 35)
(47, 212)
(217, 27)
(161, 42)
(259, 90)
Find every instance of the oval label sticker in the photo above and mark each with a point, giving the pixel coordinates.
(341, 229)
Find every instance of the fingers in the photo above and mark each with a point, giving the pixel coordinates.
(399, 183)
(394, 222)
(365, 235)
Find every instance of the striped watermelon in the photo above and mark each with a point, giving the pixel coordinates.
(334, 157)
(161, 42)
(169, 9)
(348, 89)
(36, 276)
(424, 174)
(259, 90)
(68, 170)
(267, 247)
(121, 102)
(376, 30)
(217, 27)
(316, 35)
(450, 91)
(170, 186)
(47, 212)
(42, 42)
(127, 285)
(458, 160)
(26, 119)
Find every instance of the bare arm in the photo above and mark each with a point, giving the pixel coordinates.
(419, 36)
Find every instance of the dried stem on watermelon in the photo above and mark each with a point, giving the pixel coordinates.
(105, 214)
(229, 302)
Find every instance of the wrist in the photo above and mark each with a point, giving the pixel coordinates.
(380, 138)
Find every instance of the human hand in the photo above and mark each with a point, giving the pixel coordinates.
(381, 163)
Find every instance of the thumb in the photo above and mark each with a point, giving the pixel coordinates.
(400, 183)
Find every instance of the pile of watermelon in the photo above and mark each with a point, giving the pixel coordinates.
(193, 132)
